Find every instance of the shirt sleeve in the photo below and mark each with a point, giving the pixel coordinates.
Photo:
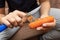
(2, 3)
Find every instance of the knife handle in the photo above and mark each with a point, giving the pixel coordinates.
(2, 27)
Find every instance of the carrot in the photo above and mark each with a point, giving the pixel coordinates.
(40, 21)
(30, 18)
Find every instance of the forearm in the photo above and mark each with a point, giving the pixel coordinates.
(2, 12)
(45, 7)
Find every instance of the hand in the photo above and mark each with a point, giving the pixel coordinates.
(47, 26)
(14, 18)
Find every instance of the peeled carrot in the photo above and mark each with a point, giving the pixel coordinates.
(40, 21)
(30, 18)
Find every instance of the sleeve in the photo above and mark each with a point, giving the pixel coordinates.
(2, 3)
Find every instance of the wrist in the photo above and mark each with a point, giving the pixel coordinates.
(1, 20)
(44, 15)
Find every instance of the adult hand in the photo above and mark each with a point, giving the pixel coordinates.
(14, 18)
(47, 26)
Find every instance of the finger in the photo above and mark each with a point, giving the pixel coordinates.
(6, 22)
(39, 28)
(17, 18)
(19, 13)
(43, 29)
(24, 19)
(21, 24)
(12, 21)
(15, 24)
(51, 24)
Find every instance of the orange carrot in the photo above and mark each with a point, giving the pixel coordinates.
(30, 18)
(40, 21)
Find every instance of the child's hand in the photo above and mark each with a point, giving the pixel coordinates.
(47, 26)
(14, 18)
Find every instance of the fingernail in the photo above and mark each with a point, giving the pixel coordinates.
(44, 24)
(39, 28)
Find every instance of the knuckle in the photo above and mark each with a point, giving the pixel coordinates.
(18, 19)
(12, 20)
(15, 12)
